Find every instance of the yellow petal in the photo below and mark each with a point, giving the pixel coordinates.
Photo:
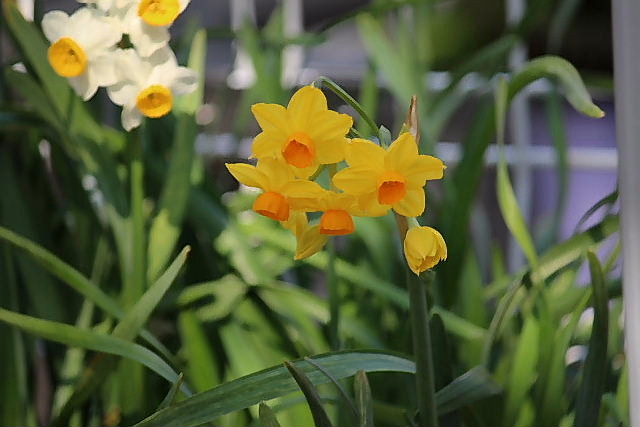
(304, 105)
(272, 118)
(423, 168)
(297, 222)
(412, 204)
(267, 144)
(303, 194)
(328, 129)
(248, 175)
(310, 242)
(403, 152)
(363, 152)
(356, 180)
(278, 173)
(368, 205)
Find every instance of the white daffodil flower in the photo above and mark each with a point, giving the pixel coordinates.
(147, 86)
(81, 48)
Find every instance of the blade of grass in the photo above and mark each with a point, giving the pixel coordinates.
(363, 399)
(320, 416)
(76, 337)
(594, 373)
(269, 384)
(267, 416)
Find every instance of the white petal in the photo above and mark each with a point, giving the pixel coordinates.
(130, 67)
(96, 32)
(55, 25)
(103, 68)
(131, 118)
(184, 4)
(123, 93)
(84, 85)
(185, 81)
(146, 38)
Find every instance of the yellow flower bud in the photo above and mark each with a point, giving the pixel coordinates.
(424, 247)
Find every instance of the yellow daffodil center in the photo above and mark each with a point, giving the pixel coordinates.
(67, 58)
(391, 188)
(336, 222)
(159, 12)
(155, 101)
(272, 205)
(299, 151)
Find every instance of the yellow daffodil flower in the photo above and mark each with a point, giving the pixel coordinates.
(338, 210)
(388, 179)
(282, 191)
(305, 134)
(424, 247)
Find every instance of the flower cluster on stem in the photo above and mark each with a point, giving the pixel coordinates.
(122, 45)
(299, 139)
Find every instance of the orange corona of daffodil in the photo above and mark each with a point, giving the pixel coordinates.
(282, 191)
(305, 134)
(337, 210)
(424, 247)
(392, 178)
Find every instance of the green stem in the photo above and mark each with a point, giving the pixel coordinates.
(335, 88)
(425, 387)
(332, 283)
(334, 298)
(138, 266)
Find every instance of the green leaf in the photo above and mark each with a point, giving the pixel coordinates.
(320, 417)
(569, 78)
(190, 103)
(167, 224)
(507, 199)
(76, 337)
(523, 370)
(399, 73)
(364, 401)
(594, 372)
(271, 383)
(343, 392)
(470, 387)
(171, 396)
(202, 366)
(76, 280)
(135, 319)
(267, 416)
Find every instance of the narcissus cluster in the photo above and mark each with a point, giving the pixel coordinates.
(121, 45)
(299, 140)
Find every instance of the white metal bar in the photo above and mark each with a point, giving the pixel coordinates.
(243, 74)
(292, 55)
(626, 39)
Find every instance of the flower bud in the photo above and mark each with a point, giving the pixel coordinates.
(424, 247)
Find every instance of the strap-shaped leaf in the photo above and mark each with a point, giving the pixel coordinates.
(271, 383)
(595, 368)
(76, 337)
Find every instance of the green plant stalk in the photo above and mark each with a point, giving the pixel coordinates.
(425, 386)
(334, 291)
(335, 88)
